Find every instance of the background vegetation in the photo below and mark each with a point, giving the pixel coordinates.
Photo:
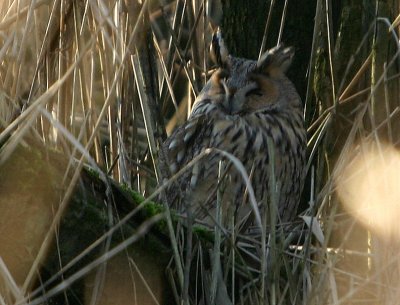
(90, 89)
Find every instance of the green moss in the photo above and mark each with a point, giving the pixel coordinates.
(204, 234)
(149, 209)
(92, 172)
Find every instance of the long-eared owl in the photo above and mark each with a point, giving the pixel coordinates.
(252, 111)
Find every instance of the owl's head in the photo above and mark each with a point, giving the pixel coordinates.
(242, 85)
(273, 63)
(242, 75)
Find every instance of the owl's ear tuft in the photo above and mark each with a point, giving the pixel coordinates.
(218, 50)
(276, 60)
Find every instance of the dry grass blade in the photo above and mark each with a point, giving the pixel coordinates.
(7, 278)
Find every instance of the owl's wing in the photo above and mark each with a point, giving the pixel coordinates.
(179, 147)
(184, 145)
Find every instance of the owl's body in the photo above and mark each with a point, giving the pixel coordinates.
(245, 107)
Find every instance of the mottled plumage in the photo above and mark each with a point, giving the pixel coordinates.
(244, 104)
